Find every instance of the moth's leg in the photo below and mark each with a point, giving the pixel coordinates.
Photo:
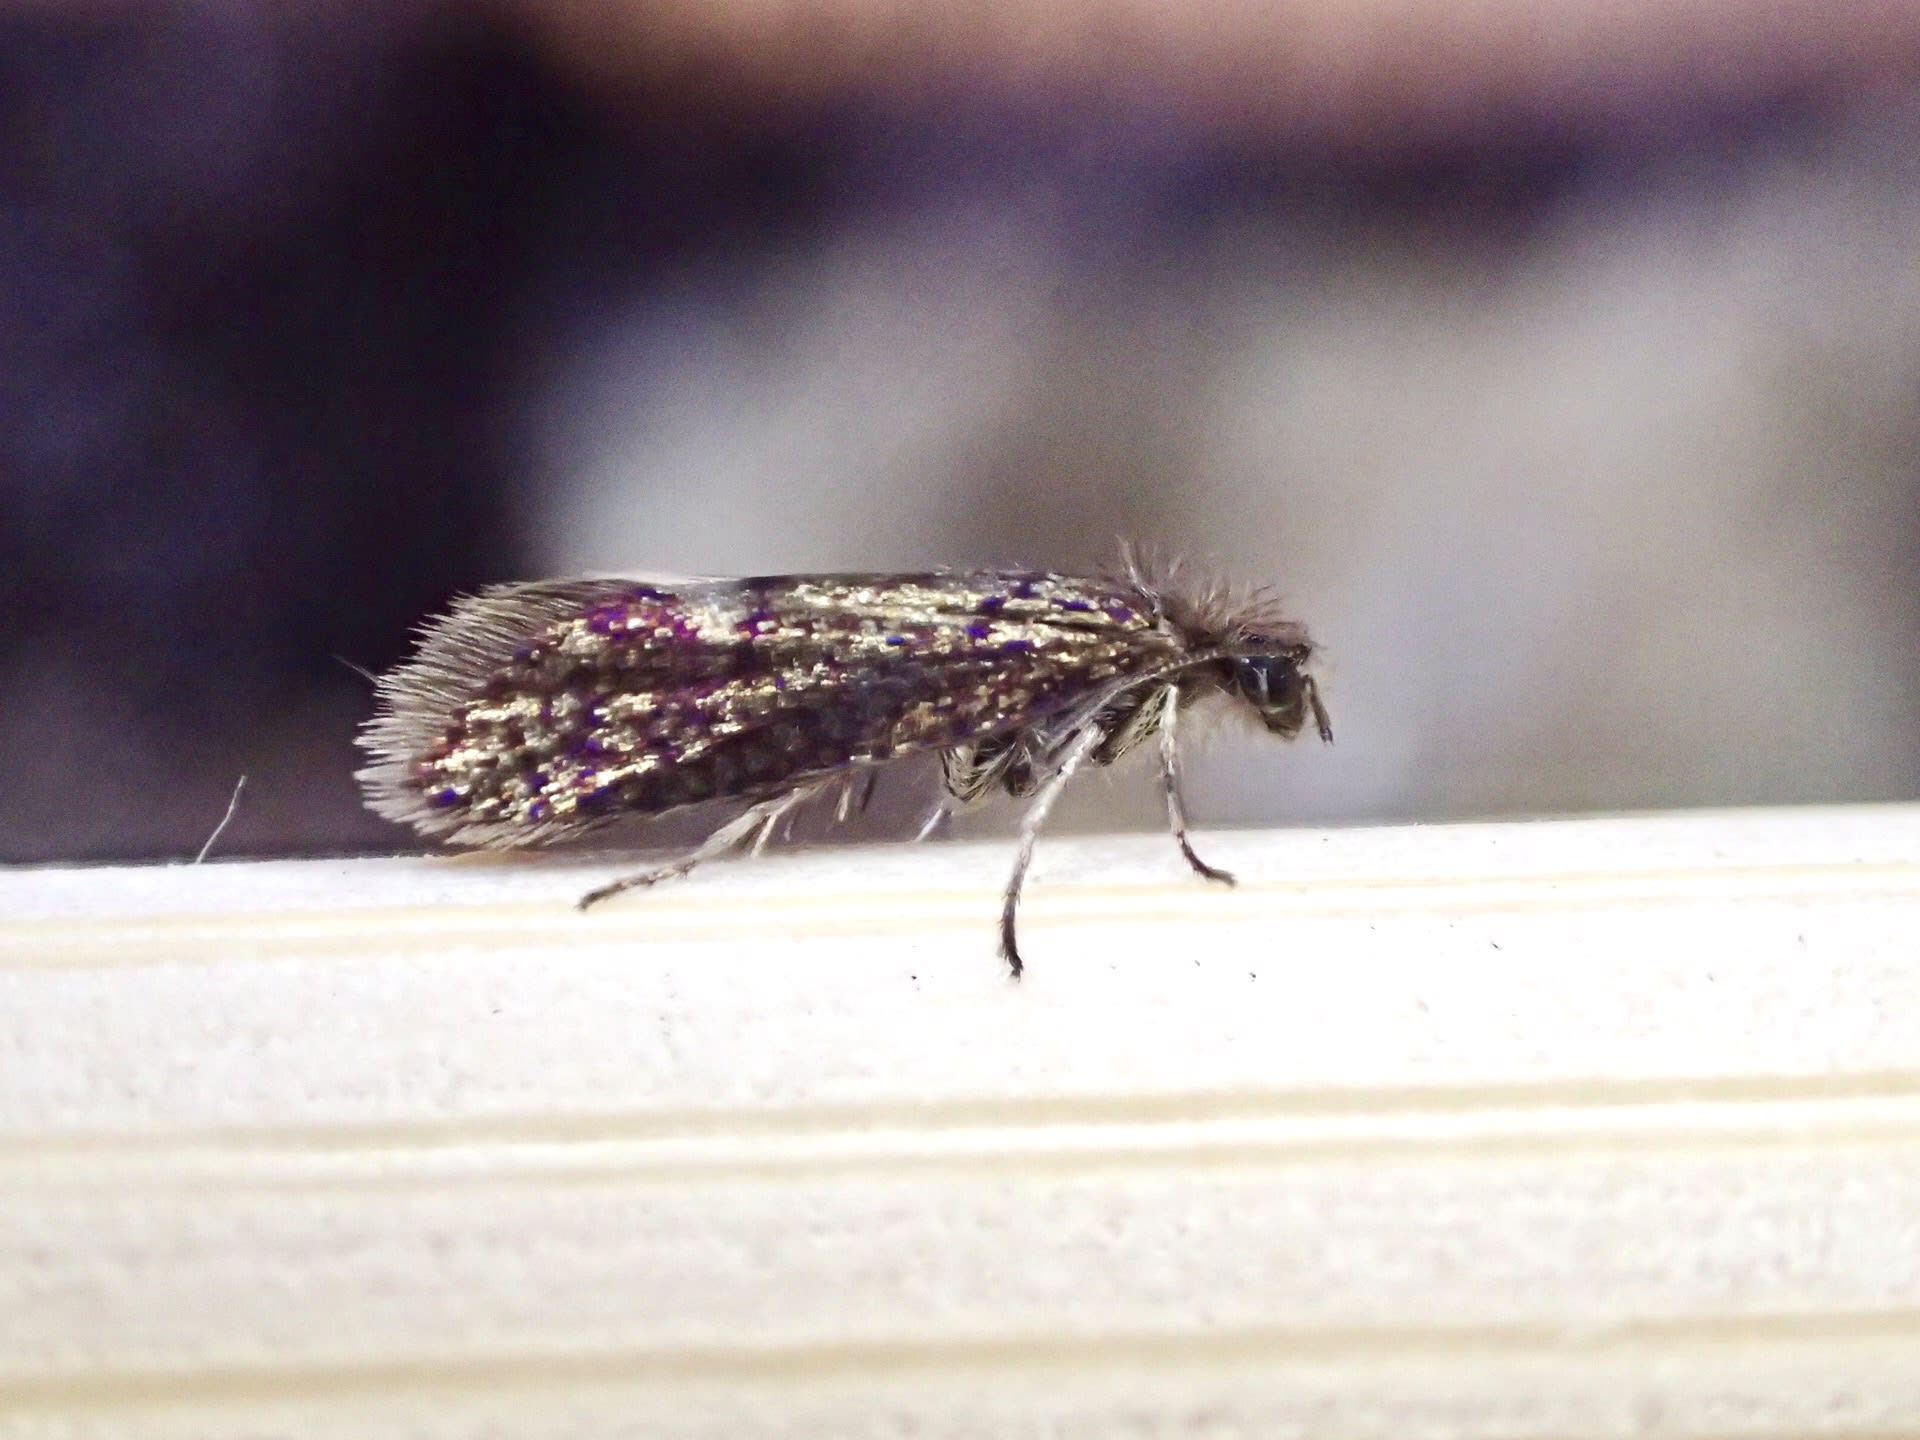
(968, 772)
(1044, 795)
(942, 809)
(971, 770)
(763, 816)
(1170, 776)
(863, 785)
(779, 813)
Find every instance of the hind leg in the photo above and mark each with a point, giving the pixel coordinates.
(762, 816)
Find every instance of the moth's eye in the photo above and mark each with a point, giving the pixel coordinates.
(1253, 680)
(1278, 689)
(1269, 680)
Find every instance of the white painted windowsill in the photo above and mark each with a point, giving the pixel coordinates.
(1584, 1128)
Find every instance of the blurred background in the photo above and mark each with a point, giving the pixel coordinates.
(1559, 363)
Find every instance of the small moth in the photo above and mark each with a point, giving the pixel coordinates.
(535, 712)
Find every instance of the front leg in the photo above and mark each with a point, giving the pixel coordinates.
(1170, 776)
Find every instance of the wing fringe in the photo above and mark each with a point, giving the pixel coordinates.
(457, 652)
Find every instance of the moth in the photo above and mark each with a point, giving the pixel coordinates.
(537, 712)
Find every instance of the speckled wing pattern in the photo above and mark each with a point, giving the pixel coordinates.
(532, 711)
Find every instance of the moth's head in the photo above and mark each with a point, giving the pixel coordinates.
(1277, 685)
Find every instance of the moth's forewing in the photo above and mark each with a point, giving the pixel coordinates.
(531, 712)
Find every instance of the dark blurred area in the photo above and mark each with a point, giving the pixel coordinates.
(1574, 406)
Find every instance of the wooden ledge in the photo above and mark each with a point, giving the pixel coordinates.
(1596, 1128)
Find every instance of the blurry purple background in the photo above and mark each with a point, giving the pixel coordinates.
(1575, 406)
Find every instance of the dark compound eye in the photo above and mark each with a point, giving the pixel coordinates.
(1268, 680)
(1282, 692)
